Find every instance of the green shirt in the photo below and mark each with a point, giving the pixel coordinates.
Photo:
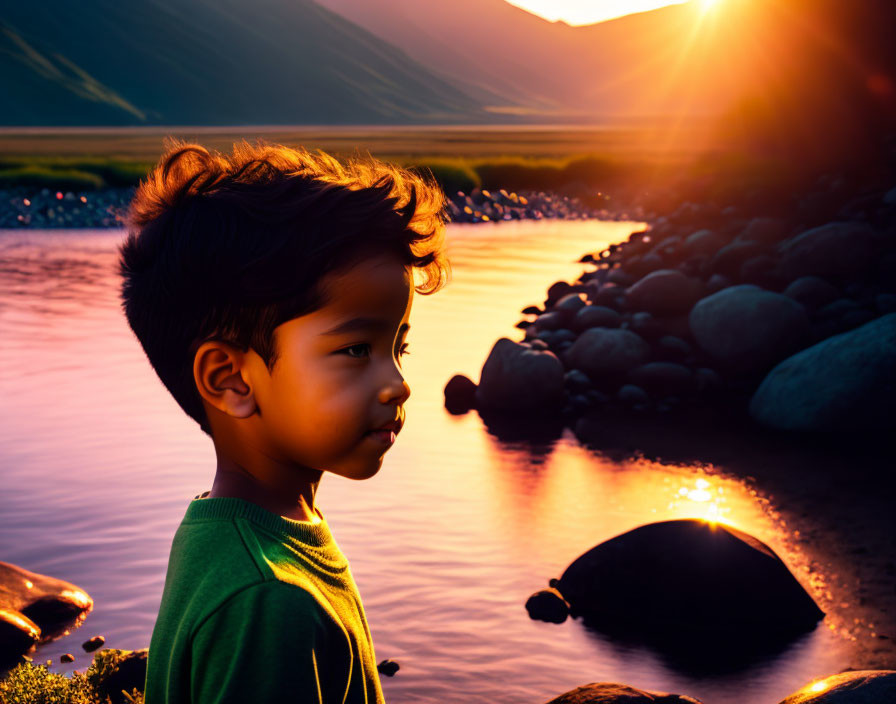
(258, 608)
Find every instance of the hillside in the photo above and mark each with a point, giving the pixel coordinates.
(204, 62)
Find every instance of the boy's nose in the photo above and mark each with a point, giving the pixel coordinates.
(397, 390)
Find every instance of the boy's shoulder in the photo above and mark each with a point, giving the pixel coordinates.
(220, 555)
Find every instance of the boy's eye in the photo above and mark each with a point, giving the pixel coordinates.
(361, 346)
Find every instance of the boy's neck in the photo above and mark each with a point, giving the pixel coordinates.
(295, 501)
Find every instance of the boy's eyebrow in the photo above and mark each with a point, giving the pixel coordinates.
(362, 323)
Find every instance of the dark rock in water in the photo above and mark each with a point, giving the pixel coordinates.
(673, 348)
(92, 644)
(18, 634)
(615, 693)
(601, 351)
(707, 379)
(837, 309)
(717, 282)
(552, 320)
(620, 277)
(557, 290)
(66, 657)
(704, 242)
(547, 605)
(30, 600)
(569, 304)
(764, 230)
(847, 382)
(853, 687)
(518, 378)
(531, 310)
(688, 577)
(610, 296)
(838, 250)
(748, 329)
(594, 316)
(885, 302)
(576, 380)
(729, 259)
(666, 291)
(387, 667)
(812, 291)
(127, 673)
(663, 378)
(761, 270)
(632, 395)
(460, 394)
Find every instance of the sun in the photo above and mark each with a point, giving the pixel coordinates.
(706, 5)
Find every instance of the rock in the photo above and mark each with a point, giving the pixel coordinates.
(127, 673)
(531, 310)
(518, 378)
(387, 667)
(729, 259)
(93, 644)
(885, 302)
(66, 657)
(764, 230)
(666, 291)
(645, 325)
(18, 634)
(673, 348)
(460, 394)
(717, 282)
(610, 295)
(837, 251)
(851, 687)
(592, 316)
(547, 605)
(29, 601)
(688, 577)
(890, 197)
(552, 320)
(762, 271)
(704, 242)
(707, 379)
(837, 309)
(603, 351)
(615, 693)
(631, 395)
(847, 382)
(569, 304)
(663, 378)
(576, 380)
(812, 291)
(746, 329)
(620, 277)
(557, 290)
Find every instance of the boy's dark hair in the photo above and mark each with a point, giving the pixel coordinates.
(229, 246)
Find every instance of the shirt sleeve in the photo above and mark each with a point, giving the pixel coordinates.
(263, 645)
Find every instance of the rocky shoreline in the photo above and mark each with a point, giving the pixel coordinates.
(709, 307)
(49, 209)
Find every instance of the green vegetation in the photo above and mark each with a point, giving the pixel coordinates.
(35, 684)
(82, 174)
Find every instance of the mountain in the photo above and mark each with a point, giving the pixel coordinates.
(211, 62)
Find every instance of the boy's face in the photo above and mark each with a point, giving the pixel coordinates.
(338, 373)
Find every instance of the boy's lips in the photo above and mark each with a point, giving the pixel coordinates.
(394, 426)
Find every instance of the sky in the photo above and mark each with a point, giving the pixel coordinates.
(588, 11)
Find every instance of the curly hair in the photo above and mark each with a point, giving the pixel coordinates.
(229, 246)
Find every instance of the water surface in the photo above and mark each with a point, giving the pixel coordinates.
(446, 543)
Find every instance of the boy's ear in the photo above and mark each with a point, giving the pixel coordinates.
(218, 372)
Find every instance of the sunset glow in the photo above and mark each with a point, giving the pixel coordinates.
(577, 12)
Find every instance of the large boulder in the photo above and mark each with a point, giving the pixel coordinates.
(666, 291)
(747, 329)
(615, 693)
(688, 577)
(516, 377)
(855, 687)
(847, 382)
(604, 351)
(837, 251)
(35, 607)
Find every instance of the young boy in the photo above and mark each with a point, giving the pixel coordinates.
(271, 290)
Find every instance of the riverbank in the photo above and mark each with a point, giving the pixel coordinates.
(51, 208)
